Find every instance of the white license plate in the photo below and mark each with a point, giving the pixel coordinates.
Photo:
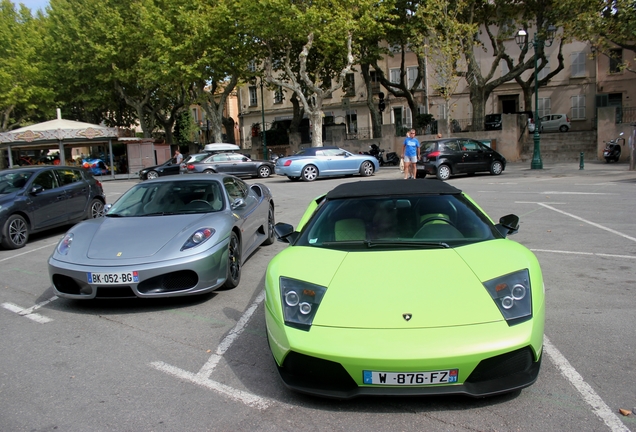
(411, 378)
(114, 278)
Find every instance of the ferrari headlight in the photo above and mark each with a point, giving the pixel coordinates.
(512, 295)
(300, 301)
(65, 244)
(200, 236)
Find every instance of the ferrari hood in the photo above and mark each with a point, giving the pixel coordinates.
(396, 289)
(132, 238)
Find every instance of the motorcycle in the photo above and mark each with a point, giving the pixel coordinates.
(612, 151)
(392, 158)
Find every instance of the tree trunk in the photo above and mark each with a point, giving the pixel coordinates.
(315, 118)
(376, 116)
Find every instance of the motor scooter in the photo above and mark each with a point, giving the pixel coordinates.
(391, 158)
(612, 151)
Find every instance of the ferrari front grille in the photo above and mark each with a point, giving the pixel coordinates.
(169, 282)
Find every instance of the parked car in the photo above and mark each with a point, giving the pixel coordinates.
(555, 122)
(492, 122)
(37, 198)
(315, 162)
(172, 236)
(169, 167)
(208, 150)
(343, 322)
(449, 156)
(231, 163)
(96, 166)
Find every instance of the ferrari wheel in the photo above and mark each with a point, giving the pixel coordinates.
(309, 173)
(496, 168)
(15, 232)
(96, 209)
(233, 262)
(443, 172)
(366, 169)
(264, 171)
(270, 227)
(152, 175)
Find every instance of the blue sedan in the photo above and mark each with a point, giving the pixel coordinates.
(315, 162)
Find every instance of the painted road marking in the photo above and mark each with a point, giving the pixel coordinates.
(599, 407)
(584, 253)
(32, 316)
(29, 251)
(202, 378)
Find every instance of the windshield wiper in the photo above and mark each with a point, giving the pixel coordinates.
(161, 214)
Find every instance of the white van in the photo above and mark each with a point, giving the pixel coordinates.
(220, 147)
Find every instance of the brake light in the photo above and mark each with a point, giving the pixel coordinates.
(433, 154)
(190, 167)
(99, 184)
(567, 119)
(287, 162)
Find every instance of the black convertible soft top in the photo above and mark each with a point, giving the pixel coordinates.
(391, 188)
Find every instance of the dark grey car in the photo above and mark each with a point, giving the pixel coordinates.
(34, 199)
(232, 163)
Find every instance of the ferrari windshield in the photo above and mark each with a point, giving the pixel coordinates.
(168, 198)
(422, 221)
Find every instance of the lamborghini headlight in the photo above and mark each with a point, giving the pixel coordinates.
(300, 301)
(512, 295)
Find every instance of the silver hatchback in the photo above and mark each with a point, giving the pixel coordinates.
(555, 122)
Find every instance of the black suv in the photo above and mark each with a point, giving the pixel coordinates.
(493, 122)
(40, 197)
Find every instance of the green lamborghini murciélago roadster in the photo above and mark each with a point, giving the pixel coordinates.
(403, 288)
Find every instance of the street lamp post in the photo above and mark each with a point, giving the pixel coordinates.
(537, 43)
(263, 119)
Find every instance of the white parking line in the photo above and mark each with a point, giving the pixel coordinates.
(32, 316)
(202, 378)
(599, 407)
(29, 251)
(584, 253)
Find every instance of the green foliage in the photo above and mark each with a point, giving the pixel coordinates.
(423, 120)
(185, 128)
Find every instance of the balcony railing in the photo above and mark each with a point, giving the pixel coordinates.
(360, 133)
(626, 115)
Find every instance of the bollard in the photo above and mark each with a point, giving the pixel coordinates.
(581, 161)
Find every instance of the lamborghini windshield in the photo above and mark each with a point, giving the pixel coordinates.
(397, 222)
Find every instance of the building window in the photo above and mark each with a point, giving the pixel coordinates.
(278, 95)
(408, 117)
(578, 64)
(615, 60)
(352, 122)
(253, 96)
(544, 106)
(441, 111)
(411, 75)
(375, 82)
(349, 85)
(251, 66)
(578, 107)
(394, 76)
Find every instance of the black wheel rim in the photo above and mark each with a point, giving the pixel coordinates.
(270, 223)
(234, 259)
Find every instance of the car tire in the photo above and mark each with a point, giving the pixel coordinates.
(309, 173)
(443, 172)
(496, 168)
(366, 169)
(15, 232)
(95, 209)
(152, 175)
(564, 128)
(264, 171)
(208, 171)
(271, 235)
(294, 179)
(233, 262)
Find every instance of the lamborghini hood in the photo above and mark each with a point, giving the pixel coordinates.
(396, 289)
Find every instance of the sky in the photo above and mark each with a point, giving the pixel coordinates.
(34, 5)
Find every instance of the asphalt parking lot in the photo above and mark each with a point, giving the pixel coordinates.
(202, 363)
